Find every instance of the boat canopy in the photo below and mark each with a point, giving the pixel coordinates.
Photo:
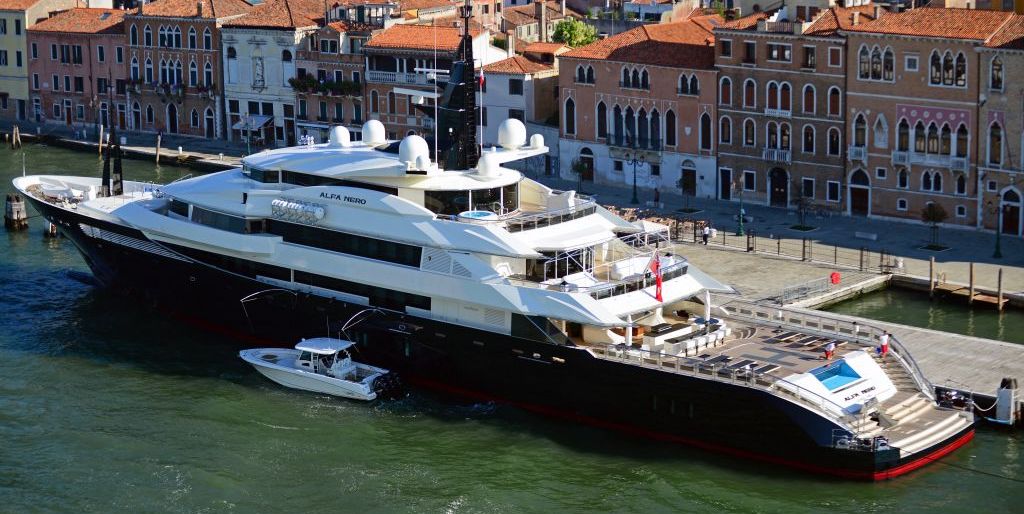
(323, 345)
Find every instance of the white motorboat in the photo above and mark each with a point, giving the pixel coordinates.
(321, 365)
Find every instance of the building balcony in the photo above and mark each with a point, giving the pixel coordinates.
(631, 85)
(955, 163)
(687, 91)
(857, 153)
(632, 142)
(778, 113)
(398, 77)
(777, 155)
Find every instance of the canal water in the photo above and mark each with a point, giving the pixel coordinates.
(916, 309)
(106, 405)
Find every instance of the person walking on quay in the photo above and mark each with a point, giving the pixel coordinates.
(706, 233)
(883, 344)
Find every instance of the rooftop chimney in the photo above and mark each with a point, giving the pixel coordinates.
(199, 8)
(563, 7)
(541, 13)
(878, 11)
(510, 42)
(855, 18)
(142, 3)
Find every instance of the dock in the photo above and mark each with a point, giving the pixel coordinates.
(970, 297)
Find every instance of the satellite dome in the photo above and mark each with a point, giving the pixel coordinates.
(374, 133)
(412, 148)
(512, 134)
(339, 137)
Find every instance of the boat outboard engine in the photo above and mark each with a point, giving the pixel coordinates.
(389, 386)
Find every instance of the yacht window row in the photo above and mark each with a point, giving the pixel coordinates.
(544, 220)
(235, 265)
(499, 200)
(308, 180)
(379, 296)
(352, 244)
(214, 219)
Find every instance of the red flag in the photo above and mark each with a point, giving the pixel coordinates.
(656, 270)
(480, 81)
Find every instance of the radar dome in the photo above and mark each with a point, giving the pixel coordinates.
(536, 141)
(488, 165)
(373, 133)
(412, 148)
(339, 137)
(512, 134)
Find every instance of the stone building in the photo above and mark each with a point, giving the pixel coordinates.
(524, 87)
(77, 71)
(174, 65)
(16, 16)
(648, 93)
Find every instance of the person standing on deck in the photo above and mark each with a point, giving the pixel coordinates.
(830, 350)
(883, 342)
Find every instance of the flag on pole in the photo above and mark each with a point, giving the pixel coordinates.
(656, 270)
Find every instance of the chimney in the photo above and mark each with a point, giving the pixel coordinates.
(540, 9)
(563, 7)
(142, 3)
(510, 42)
(878, 11)
(199, 8)
(856, 18)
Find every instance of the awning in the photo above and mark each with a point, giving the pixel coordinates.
(252, 122)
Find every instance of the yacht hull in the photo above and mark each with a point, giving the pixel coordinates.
(554, 380)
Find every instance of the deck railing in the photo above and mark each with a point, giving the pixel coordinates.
(864, 335)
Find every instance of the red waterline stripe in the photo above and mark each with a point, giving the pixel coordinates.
(660, 436)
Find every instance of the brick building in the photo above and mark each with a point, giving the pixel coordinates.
(646, 93)
(76, 65)
(15, 17)
(174, 64)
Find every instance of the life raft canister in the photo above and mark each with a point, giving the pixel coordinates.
(835, 277)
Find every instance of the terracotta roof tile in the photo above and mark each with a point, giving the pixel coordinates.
(543, 48)
(517, 65)
(746, 22)
(283, 14)
(83, 21)
(419, 37)
(681, 44)
(351, 26)
(16, 5)
(188, 8)
(409, 5)
(951, 23)
(1010, 36)
(526, 14)
(829, 22)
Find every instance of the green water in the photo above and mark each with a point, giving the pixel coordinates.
(108, 406)
(914, 308)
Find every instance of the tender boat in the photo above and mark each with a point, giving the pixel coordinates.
(321, 365)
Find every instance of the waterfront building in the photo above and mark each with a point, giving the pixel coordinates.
(330, 81)
(174, 65)
(76, 64)
(781, 89)
(16, 16)
(398, 61)
(914, 129)
(1000, 188)
(524, 87)
(260, 51)
(646, 93)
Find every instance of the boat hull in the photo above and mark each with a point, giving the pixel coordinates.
(554, 380)
(289, 376)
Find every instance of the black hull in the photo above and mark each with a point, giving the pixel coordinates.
(554, 380)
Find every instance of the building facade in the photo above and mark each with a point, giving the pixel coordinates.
(77, 71)
(174, 65)
(16, 16)
(524, 87)
(647, 95)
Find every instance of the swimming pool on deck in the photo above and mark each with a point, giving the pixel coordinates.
(835, 376)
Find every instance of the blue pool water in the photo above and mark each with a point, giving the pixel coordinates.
(836, 375)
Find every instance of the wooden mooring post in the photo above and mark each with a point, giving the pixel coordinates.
(931, 277)
(158, 148)
(16, 138)
(999, 291)
(970, 285)
(100, 146)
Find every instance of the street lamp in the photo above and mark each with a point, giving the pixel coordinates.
(994, 209)
(632, 159)
(248, 136)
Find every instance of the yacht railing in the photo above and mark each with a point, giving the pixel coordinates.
(605, 285)
(721, 373)
(518, 221)
(864, 335)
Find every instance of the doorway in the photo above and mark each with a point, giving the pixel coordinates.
(172, 118)
(725, 184)
(860, 194)
(587, 159)
(779, 180)
(1011, 213)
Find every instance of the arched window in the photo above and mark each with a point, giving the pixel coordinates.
(208, 75)
(193, 74)
(888, 65)
(617, 123)
(163, 71)
(749, 93)
(590, 75)
(630, 122)
(694, 85)
(602, 120)
(570, 116)
(684, 85)
(625, 77)
(902, 178)
(231, 75)
(937, 182)
(961, 184)
(772, 132)
(161, 36)
(785, 97)
(808, 140)
(207, 39)
(809, 99)
(177, 37)
(194, 118)
(232, 53)
(287, 67)
(995, 80)
(725, 91)
(136, 116)
(935, 75)
(749, 132)
(147, 36)
(860, 129)
(192, 42)
(835, 103)
(149, 70)
(785, 142)
(725, 130)
(374, 101)
(961, 70)
(581, 74)
(876, 64)
(835, 141)
(705, 131)
(149, 114)
(178, 77)
(919, 137)
(946, 140)
(933, 138)
(643, 128)
(635, 80)
(135, 69)
(947, 69)
(881, 132)
(995, 144)
(926, 181)
(655, 130)
(772, 99)
(903, 137)
(863, 63)
(961, 141)
(645, 80)
(392, 103)
(133, 35)
(670, 128)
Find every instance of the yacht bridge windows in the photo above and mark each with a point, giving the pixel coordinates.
(499, 200)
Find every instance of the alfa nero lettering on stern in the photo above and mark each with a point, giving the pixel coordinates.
(346, 198)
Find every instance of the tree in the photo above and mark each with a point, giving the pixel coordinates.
(574, 33)
(578, 168)
(934, 214)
